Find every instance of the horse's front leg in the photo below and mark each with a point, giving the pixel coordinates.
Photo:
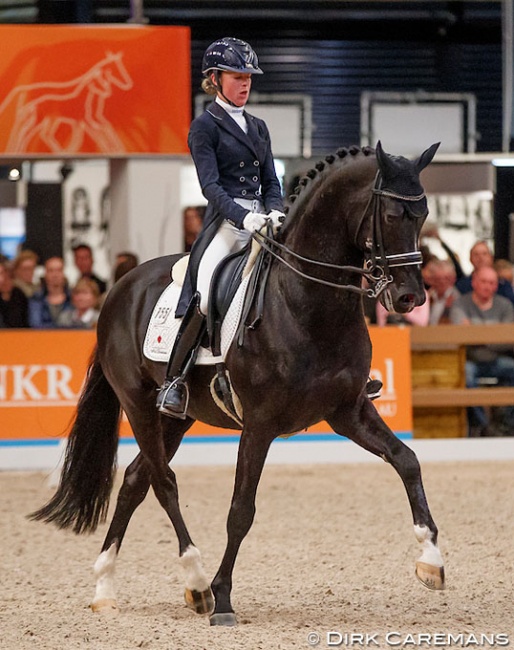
(363, 425)
(253, 449)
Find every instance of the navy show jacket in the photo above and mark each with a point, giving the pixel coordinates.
(233, 164)
(230, 164)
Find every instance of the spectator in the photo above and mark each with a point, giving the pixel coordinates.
(83, 257)
(484, 306)
(127, 256)
(431, 231)
(84, 298)
(442, 292)
(426, 257)
(124, 263)
(46, 305)
(480, 255)
(193, 223)
(505, 270)
(24, 267)
(14, 307)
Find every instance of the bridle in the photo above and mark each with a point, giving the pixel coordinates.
(377, 266)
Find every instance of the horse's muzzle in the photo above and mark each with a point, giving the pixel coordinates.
(402, 301)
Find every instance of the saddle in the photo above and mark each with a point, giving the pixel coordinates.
(225, 282)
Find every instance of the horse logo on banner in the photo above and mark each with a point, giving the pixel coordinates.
(63, 116)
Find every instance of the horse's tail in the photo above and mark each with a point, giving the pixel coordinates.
(87, 476)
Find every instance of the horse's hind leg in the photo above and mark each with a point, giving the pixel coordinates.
(367, 429)
(133, 491)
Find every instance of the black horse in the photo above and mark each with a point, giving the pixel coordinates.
(357, 214)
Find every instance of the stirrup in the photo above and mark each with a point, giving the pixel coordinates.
(373, 388)
(173, 398)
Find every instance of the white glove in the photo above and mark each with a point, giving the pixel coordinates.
(277, 218)
(254, 221)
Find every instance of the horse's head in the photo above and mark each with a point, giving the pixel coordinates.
(115, 71)
(333, 224)
(399, 211)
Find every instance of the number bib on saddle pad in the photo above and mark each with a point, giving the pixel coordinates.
(163, 326)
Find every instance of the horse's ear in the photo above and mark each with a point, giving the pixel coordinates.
(426, 157)
(384, 161)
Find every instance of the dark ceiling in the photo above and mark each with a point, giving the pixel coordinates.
(459, 21)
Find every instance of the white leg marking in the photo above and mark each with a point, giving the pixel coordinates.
(104, 572)
(191, 562)
(430, 554)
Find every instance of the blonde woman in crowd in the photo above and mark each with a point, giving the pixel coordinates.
(85, 297)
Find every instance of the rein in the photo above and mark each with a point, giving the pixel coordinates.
(376, 270)
(269, 244)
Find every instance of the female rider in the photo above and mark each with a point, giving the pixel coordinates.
(231, 150)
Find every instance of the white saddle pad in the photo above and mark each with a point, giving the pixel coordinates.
(163, 326)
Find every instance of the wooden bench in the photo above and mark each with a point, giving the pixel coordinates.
(439, 393)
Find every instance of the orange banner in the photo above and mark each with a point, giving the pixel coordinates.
(94, 90)
(391, 363)
(42, 372)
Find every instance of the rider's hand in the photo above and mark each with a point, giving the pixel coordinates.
(254, 221)
(277, 219)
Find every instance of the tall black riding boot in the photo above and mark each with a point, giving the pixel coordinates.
(173, 396)
(373, 388)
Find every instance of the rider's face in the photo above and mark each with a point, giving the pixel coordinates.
(236, 86)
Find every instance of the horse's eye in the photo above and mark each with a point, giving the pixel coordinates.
(391, 217)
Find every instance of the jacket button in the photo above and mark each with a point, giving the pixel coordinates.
(256, 163)
(242, 179)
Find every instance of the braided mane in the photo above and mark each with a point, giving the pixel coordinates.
(343, 156)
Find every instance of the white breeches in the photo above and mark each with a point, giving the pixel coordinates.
(228, 239)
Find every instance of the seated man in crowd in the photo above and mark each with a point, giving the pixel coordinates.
(484, 306)
(83, 258)
(124, 262)
(46, 305)
(480, 255)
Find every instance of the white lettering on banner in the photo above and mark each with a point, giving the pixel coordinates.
(18, 385)
(3, 383)
(386, 409)
(22, 383)
(59, 378)
(387, 378)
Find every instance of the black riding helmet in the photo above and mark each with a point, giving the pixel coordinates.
(230, 54)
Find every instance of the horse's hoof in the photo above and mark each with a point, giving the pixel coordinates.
(429, 575)
(201, 602)
(105, 606)
(228, 619)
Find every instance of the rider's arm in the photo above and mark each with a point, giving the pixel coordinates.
(202, 141)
